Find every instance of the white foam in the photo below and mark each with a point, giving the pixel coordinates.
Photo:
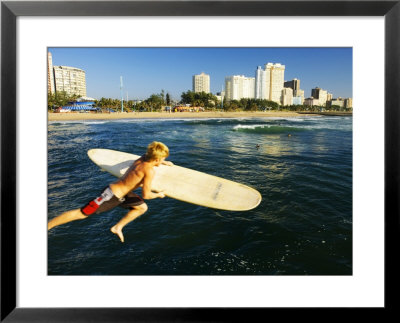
(239, 126)
(94, 122)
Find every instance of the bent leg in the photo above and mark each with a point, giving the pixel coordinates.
(132, 215)
(65, 218)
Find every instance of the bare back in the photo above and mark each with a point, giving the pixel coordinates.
(133, 177)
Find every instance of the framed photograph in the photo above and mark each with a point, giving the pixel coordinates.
(171, 269)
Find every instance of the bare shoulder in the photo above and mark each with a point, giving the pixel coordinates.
(148, 170)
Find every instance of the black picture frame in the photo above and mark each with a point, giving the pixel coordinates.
(10, 10)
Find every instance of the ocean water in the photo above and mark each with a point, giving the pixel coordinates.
(302, 168)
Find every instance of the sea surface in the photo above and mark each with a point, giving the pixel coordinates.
(302, 168)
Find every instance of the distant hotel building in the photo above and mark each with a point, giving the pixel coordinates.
(311, 101)
(298, 94)
(287, 96)
(320, 94)
(294, 85)
(261, 84)
(238, 87)
(201, 83)
(343, 103)
(277, 72)
(269, 82)
(337, 102)
(64, 78)
(70, 79)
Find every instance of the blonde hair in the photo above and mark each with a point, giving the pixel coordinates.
(156, 150)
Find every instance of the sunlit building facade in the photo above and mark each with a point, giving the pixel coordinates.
(269, 82)
(321, 95)
(72, 80)
(201, 83)
(262, 84)
(277, 80)
(238, 87)
(287, 96)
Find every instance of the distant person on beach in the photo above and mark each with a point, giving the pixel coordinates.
(119, 193)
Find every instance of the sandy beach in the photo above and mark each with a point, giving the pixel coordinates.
(165, 115)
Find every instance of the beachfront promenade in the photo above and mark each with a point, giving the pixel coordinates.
(165, 115)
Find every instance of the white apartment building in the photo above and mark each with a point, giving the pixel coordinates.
(339, 102)
(320, 94)
(287, 96)
(262, 81)
(323, 97)
(298, 94)
(201, 83)
(311, 101)
(50, 74)
(269, 82)
(72, 80)
(238, 87)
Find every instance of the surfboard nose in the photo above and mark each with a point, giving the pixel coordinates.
(91, 153)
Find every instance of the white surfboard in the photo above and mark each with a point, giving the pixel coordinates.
(184, 184)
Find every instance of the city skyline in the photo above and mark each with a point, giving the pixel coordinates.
(147, 71)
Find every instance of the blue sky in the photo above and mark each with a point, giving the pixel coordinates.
(146, 71)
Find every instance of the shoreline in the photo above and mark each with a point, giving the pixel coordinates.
(174, 115)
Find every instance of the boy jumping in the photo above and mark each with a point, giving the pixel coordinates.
(141, 173)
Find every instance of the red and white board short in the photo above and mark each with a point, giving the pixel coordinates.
(107, 201)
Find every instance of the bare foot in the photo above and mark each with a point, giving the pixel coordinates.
(118, 232)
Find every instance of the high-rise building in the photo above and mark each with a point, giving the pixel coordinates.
(262, 84)
(50, 74)
(294, 85)
(201, 83)
(320, 94)
(298, 94)
(277, 80)
(238, 87)
(287, 96)
(269, 82)
(72, 80)
(348, 103)
(323, 97)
